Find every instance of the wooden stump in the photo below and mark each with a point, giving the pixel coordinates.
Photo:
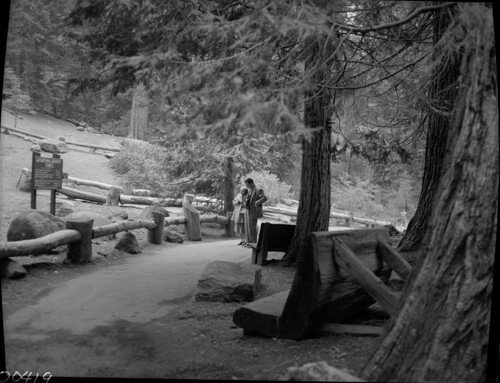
(156, 235)
(114, 196)
(192, 225)
(229, 226)
(80, 251)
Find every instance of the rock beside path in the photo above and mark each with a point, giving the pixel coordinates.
(32, 224)
(53, 146)
(223, 281)
(128, 243)
(11, 269)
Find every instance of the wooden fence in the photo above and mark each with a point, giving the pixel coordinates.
(79, 234)
(271, 212)
(24, 134)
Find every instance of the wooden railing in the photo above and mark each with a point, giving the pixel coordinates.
(79, 234)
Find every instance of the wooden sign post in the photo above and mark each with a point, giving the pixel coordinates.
(46, 173)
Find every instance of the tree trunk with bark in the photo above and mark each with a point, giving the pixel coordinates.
(441, 331)
(229, 185)
(139, 114)
(442, 95)
(313, 213)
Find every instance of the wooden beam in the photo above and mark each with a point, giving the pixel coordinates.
(38, 245)
(393, 259)
(113, 228)
(80, 251)
(352, 329)
(348, 261)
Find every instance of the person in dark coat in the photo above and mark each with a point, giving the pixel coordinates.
(255, 199)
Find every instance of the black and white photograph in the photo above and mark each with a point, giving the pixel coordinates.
(254, 190)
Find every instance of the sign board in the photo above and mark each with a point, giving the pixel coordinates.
(47, 172)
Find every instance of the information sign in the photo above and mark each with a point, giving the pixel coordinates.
(47, 173)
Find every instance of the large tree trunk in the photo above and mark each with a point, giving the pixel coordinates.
(442, 95)
(139, 114)
(441, 332)
(229, 185)
(313, 213)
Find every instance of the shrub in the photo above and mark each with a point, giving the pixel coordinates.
(356, 198)
(273, 188)
(143, 165)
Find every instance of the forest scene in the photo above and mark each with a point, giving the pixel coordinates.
(356, 114)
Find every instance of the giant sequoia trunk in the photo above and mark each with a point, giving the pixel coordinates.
(441, 331)
(313, 213)
(442, 95)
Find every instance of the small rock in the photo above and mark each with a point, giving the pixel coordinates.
(24, 182)
(80, 128)
(11, 269)
(36, 148)
(146, 212)
(128, 243)
(172, 237)
(319, 371)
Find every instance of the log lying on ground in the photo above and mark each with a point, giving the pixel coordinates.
(38, 245)
(206, 218)
(100, 185)
(175, 220)
(351, 329)
(87, 196)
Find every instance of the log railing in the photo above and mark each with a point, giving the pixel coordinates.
(79, 234)
(78, 237)
(349, 218)
(22, 133)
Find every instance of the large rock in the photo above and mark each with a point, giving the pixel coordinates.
(99, 219)
(319, 371)
(24, 182)
(31, 224)
(53, 146)
(223, 281)
(128, 243)
(146, 212)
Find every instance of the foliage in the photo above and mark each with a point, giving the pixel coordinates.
(143, 166)
(13, 96)
(273, 188)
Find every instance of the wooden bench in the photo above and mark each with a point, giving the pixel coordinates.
(339, 274)
(272, 237)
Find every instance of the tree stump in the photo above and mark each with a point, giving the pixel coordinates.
(113, 196)
(156, 235)
(81, 251)
(192, 225)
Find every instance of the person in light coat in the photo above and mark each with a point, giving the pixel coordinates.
(255, 199)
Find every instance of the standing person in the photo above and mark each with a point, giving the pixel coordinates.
(255, 200)
(238, 214)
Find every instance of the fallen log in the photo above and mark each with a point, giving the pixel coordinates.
(87, 196)
(38, 245)
(181, 220)
(100, 185)
(206, 218)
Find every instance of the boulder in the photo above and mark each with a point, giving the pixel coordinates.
(173, 237)
(99, 219)
(24, 182)
(80, 128)
(64, 208)
(128, 243)
(146, 212)
(11, 269)
(36, 148)
(223, 281)
(53, 146)
(31, 224)
(318, 371)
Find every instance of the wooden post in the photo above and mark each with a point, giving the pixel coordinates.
(156, 235)
(113, 196)
(192, 225)
(80, 251)
(229, 226)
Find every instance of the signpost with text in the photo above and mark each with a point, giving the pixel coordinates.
(46, 173)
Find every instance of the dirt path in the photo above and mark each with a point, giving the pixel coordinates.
(133, 315)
